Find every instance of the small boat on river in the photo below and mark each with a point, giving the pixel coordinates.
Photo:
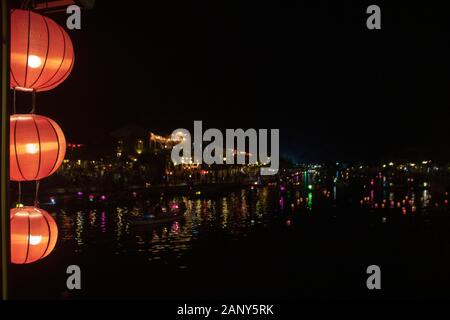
(160, 216)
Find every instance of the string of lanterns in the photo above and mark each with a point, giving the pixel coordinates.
(42, 57)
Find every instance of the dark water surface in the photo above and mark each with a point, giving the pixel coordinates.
(284, 242)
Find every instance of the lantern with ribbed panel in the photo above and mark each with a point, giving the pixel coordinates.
(37, 147)
(42, 54)
(33, 234)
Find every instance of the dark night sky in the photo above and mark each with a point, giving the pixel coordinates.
(336, 90)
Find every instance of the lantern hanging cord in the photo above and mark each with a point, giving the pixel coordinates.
(19, 200)
(36, 202)
(14, 100)
(33, 102)
(28, 4)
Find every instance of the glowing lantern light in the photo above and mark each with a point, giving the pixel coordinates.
(42, 54)
(37, 147)
(34, 61)
(33, 234)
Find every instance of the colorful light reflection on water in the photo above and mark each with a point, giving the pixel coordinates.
(295, 211)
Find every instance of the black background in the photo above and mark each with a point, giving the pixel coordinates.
(336, 90)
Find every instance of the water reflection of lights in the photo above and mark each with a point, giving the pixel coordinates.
(225, 212)
(175, 228)
(236, 213)
(281, 202)
(79, 228)
(103, 221)
(425, 199)
(119, 223)
(92, 218)
(310, 200)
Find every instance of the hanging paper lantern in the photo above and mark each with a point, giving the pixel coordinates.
(42, 54)
(33, 234)
(37, 147)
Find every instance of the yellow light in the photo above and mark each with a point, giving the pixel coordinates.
(34, 61)
(31, 148)
(24, 118)
(35, 240)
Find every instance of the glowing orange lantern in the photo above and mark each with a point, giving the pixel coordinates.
(42, 54)
(33, 234)
(37, 147)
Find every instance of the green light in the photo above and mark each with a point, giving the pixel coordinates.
(310, 187)
(310, 198)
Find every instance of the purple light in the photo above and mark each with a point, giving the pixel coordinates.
(79, 193)
(103, 197)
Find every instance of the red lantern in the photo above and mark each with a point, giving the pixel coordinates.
(33, 234)
(37, 147)
(42, 54)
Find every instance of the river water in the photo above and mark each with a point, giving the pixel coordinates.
(280, 241)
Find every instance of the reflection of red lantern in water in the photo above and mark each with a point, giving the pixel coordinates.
(33, 234)
(37, 147)
(41, 52)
